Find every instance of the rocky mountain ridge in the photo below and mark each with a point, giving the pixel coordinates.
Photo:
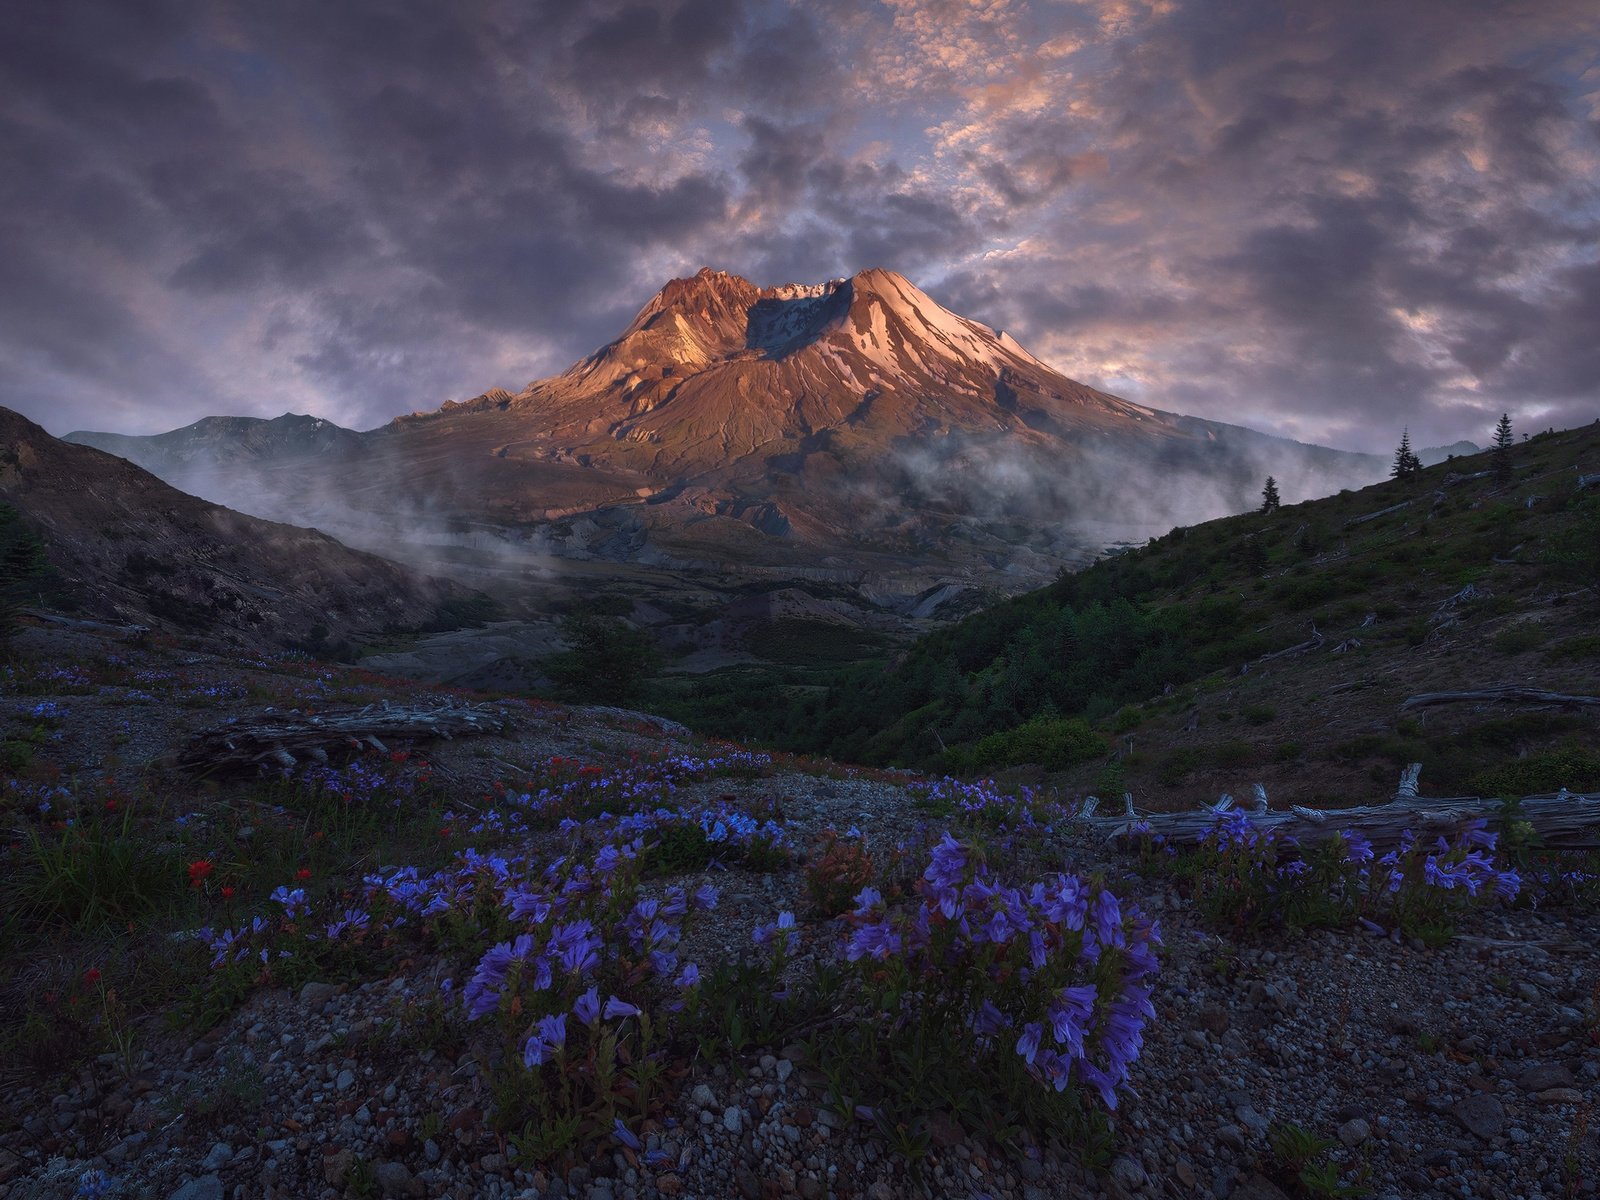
(855, 427)
(133, 549)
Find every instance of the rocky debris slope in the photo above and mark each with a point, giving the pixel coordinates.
(1466, 1070)
(131, 548)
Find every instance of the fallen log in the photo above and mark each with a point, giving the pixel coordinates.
(282, 740)
(56, 619)
(1498, 695)
(1382, 512)
(1570, 822)
(1562, 821)
(1313, 642)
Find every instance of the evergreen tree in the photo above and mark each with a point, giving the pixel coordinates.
(22, 567)
(1269, 496)
(1502, 449)
(1406, 464)
(609, 660)
(1254, 556)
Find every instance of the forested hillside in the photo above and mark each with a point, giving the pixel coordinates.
(1465, 571)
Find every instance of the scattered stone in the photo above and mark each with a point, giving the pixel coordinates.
(1258, 1187)
(1128, 1174)
(732, 1118)
(221, 1155)
(315, 995)
(1353, 1132)
(1561, 1095)
(394, 1180)
(1543, 1078)
(336, 1166)
(1480, 1115)
(346, 1080)
(207, 1187)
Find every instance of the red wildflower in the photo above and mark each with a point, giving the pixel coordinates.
(92, 976)
(303, 873)
(227, 893)
(111, 804)
(198, 871)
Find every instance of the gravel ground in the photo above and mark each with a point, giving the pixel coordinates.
(1469, 1070)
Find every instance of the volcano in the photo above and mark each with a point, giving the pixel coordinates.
(853, 431)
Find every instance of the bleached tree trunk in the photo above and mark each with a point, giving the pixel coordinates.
(280, 739)
(1563, 820)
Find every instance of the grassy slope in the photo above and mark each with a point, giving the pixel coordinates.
(1148, 647)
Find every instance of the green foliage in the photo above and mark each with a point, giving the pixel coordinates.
(1177, 765)
(1103, 643)
(471, 611)
(1301, 1161)
(1519, 638)
(1406, 464)
(1575, 649)
(22, 567)
(796, 642)
(1573, 551)
(1501, 459)
(1571, 765)
(1270, 501)
(96, 873)
(608, 660)
(1054, 743)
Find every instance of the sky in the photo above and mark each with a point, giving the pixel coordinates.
(1328, 219)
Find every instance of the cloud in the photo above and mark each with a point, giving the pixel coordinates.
(1326, 223)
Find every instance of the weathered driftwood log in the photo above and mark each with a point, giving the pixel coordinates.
(1452, 479)
(1408, 782)
(1313, 642)
(1585, 482)
(1382, 512)
(1564, 822)
(1498, 695)
(58, 620)
(279, 739)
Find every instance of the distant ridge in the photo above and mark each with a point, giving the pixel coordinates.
(133, 549)
(854, 427)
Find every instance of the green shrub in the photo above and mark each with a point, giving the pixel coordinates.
(1259, 714)
(1570, 765)
(1233, 754)
(1519, 638)
(608, 660)
(1177, 765)
(1575, 649)
(1054, 743)
(1574, 552)
(22, 566)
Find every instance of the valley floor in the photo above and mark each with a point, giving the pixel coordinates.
(1343, 1061)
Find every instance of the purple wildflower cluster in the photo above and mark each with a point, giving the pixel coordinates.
(575, 925)
(630, 803)
(567, 942)
(365, 782)
(1059, 973)
(1247, 867)
(983, 803)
